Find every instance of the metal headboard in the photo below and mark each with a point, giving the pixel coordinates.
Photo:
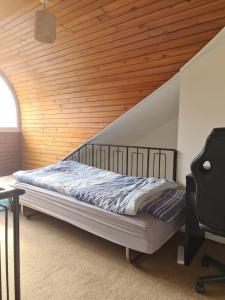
(128, 160)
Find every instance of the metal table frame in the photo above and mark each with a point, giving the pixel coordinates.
(14, 195)
(194, 236)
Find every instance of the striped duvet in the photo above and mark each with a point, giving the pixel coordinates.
(126, 195)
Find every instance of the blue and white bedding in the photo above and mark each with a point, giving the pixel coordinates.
(126, 195)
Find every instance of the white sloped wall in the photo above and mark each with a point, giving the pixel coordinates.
(152, 122)
(202, 101)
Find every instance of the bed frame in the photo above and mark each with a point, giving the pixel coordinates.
(126, 160)
(129, 160)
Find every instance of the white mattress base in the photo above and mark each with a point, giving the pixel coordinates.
(143, 233)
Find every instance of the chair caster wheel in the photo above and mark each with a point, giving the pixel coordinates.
(200, 288)
(205, 262)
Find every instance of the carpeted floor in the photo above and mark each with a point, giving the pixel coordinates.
(61, 262)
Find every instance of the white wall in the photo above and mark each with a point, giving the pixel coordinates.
(163, 136)
(202, 101)
(152, 122)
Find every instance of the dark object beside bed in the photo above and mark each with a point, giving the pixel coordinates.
(209, 172)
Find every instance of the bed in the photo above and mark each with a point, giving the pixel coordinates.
(134, 229)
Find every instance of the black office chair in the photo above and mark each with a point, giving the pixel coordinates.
(209, 172)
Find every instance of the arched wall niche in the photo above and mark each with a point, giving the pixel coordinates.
(9, 106)
(10, 135)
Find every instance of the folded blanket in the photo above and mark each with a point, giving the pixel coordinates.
(127, 195)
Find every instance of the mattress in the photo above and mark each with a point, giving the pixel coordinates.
(124, 195)
(142, 233)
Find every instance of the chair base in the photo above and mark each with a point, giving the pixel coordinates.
(201, 281)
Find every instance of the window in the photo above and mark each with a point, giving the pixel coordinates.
(8, 106)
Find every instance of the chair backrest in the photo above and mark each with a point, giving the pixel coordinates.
(208, 169)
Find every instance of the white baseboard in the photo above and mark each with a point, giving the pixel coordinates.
(215, 238)
(210, 236)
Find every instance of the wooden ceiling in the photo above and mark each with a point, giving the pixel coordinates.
(8, 7)
(109, 55)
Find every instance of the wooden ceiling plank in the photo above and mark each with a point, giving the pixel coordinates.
(62, 53)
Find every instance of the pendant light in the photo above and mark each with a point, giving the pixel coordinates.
(45, 25)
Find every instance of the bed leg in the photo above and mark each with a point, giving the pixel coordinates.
(131, 258)
(28, 213)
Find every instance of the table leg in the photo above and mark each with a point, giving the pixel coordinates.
(16, 241)
(194, 236)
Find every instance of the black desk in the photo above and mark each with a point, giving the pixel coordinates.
(14, 194)
(194, 236)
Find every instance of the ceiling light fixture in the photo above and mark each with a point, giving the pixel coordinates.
(45, 25)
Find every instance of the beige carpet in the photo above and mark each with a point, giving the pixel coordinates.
(61, 262)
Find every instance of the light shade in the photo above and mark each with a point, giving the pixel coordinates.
(45, 27)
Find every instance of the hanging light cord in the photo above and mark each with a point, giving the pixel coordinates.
(44, 6)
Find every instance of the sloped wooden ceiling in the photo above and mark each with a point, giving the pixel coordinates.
(108, 56)
(8, 7)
